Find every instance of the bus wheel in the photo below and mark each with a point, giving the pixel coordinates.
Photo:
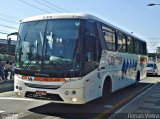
(137, 79)
(106, 89)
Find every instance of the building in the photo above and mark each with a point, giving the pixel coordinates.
(7, 47)
(7, 50)
(153, 57)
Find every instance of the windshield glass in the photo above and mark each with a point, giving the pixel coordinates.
(49, 45)
(149, 65)
(30, 43)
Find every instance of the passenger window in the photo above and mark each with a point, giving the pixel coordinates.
(109, 36)
(130, 44)
(141, 47)
(136, 44)
(144, 48)
(121, 42)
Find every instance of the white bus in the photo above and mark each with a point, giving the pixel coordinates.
(75, 58)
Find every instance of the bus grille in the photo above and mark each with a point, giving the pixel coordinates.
(42, 86)
(48, 96)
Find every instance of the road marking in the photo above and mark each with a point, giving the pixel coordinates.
(2, 111)
(118, 111)
(15, 98)
(101, 115)
(51, 117)
(24, 99)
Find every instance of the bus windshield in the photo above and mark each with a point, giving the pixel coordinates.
(49, 45)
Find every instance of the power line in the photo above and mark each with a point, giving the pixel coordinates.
(34, 6)
(55, 6)
(8, 26)
(9, 16)
(8, 21)
(153, 38)
(47, 6)
(3, 33)
(6, 17)
(153, 41)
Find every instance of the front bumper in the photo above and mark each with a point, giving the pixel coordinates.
(60, 95)
(151, 72)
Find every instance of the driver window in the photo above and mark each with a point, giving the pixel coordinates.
(92, 46)
(90, 40)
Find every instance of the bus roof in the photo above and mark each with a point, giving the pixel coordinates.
(75, 16)
(61, 16)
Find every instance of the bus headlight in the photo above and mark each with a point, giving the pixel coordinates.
(18, 93)
(73, 79)
(74, 99)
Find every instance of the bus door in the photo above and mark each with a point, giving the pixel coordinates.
(92, 54)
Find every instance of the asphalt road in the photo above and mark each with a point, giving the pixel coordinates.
(13, 107)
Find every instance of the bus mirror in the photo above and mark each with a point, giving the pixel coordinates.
(8, 36)
(15, 33)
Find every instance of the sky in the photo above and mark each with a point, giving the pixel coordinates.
(130, 15)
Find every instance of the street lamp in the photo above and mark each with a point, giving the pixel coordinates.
(152, 4)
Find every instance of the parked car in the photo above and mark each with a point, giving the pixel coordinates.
(152, 69)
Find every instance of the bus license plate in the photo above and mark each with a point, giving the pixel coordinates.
(41, 93)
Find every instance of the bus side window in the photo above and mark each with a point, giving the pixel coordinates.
(130, 43)
(110, 38)
(121, 42)
(144, 49)
(137, 48)
(141, 47)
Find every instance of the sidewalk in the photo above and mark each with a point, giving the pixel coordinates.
(144, 106)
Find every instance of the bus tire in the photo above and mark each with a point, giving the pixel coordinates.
(137, 79)
(106, 88)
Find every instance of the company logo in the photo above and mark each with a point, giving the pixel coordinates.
(30, 78)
